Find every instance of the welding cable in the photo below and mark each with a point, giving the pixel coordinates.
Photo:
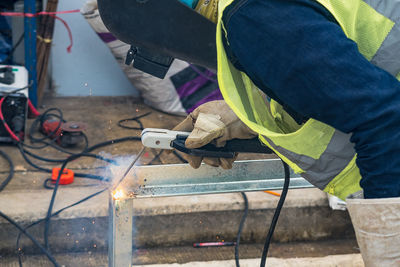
(10, 173)
(45, 251)
(136, 119)
(33, 111)
(77, 174)
(19, 250)
(52, 200)
(42, 118)
(276, 214)
(242, 221)
(8, 129)
(157, 157)
(112, 142)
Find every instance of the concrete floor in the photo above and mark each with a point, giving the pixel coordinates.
(101, 115)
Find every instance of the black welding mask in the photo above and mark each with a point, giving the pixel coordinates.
(159, 31)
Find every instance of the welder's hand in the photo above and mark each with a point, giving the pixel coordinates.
(213, 122)
(208, 9)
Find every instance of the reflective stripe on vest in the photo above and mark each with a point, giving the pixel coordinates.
(333, 160)
(324, 156)
(388, 55)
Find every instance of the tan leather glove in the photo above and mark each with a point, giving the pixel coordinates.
(213, 122)
(208, 9)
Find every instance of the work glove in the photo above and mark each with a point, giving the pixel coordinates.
(213, 122)
(208, 9)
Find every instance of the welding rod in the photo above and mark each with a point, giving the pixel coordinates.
(129, 168)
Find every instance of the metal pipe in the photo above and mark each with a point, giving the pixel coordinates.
(30, 48)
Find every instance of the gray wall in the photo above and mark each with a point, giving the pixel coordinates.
(90, 69)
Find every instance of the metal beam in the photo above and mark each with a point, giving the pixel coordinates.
(120, 232)
(181, 179)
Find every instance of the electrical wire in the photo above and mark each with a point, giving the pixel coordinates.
(136, 119)
(86, 153)
(242, 221)
(50, 209)
(45, 251)
(10, 173)
(276, 214)
(52, 215)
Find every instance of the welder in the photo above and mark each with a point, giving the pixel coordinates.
(317, 82)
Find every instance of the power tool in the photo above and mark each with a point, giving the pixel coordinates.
(66, 134)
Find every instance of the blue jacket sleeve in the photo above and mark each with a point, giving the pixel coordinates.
(296, 49)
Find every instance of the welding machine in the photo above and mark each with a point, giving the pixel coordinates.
(14, 107)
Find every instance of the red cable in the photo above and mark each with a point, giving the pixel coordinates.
(44, 13)
(32, 15)
(13, 136)
(68, 30)
(33, 110)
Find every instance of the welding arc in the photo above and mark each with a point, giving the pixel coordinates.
(129, 168)
(45, 251)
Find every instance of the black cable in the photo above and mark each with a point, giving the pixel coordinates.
(50, 209)
(242, 221)
(157, 157)
(111, 142)
(42, 118)
(52, 215)
(179, 156)
(45, 251)
(76, 174)
(136, 119)
(276, 214)
(11, 172)
(11, 53)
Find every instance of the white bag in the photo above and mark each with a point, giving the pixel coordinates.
(157, 93)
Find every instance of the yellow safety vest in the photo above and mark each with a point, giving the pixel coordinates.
(321, 154)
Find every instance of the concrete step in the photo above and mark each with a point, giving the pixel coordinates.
(317, 253)
(171, 221)
(347, 260)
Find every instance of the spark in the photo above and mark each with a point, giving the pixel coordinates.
(118, 194)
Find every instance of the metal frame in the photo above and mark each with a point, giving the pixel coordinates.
(180, 180)
(30, 48)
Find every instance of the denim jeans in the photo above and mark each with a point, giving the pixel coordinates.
(295, 52)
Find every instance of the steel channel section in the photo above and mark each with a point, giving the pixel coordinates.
(179, 180)
(120, 232)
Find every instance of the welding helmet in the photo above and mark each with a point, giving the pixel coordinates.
(159, 31)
